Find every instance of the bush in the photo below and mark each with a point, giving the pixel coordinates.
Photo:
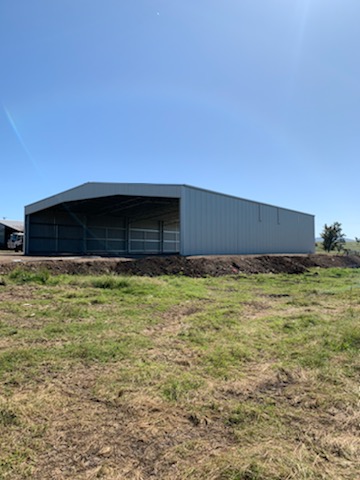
(333, 238)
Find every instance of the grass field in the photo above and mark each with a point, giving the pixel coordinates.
(233, 378)
(349, 246)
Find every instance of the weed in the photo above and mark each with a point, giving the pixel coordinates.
(20, 359)
(106, 350)
(250, 472)
(248, 412)
(110, 282)
(350, 339)
(19, 275)
(222, 360)
(8, 417)
(180, 388)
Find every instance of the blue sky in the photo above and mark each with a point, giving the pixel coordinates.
(255, 98)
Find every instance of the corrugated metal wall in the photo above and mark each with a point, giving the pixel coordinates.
(218, 224)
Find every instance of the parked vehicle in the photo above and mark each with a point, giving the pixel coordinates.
(16, 242)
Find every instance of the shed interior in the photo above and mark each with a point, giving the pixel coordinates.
(115, 225)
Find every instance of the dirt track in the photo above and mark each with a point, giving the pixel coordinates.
(173, 265)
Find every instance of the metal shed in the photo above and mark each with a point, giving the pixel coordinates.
(7, 227)
(133, 218)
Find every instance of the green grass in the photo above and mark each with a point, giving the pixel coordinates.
(240, 377)
(352, 246)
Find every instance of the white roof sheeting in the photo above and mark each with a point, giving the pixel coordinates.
(97, 189)
(14, 224)
(103, 189)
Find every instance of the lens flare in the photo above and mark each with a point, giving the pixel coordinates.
(19, 137)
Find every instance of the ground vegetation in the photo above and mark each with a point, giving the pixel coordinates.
(333, 237)
(238, 377)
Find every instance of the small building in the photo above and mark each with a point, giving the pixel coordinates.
(133, 218)
(7, 227)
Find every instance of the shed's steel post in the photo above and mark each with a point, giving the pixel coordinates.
(26, 232)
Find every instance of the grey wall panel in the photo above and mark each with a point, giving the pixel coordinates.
(145, 236)
(42, 246)
(116, 233)
(171, 237)
(71, 232)
(42, 230)
(217, 224)
(105, 221)
(68, 245)
(105, 234)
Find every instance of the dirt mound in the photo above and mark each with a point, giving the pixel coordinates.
(212, 266)
(176, 265)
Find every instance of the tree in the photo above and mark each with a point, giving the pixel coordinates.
(333, 238)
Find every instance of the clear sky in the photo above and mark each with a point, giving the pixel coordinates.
(255, 98)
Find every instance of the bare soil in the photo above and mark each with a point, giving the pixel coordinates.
(199, 266)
